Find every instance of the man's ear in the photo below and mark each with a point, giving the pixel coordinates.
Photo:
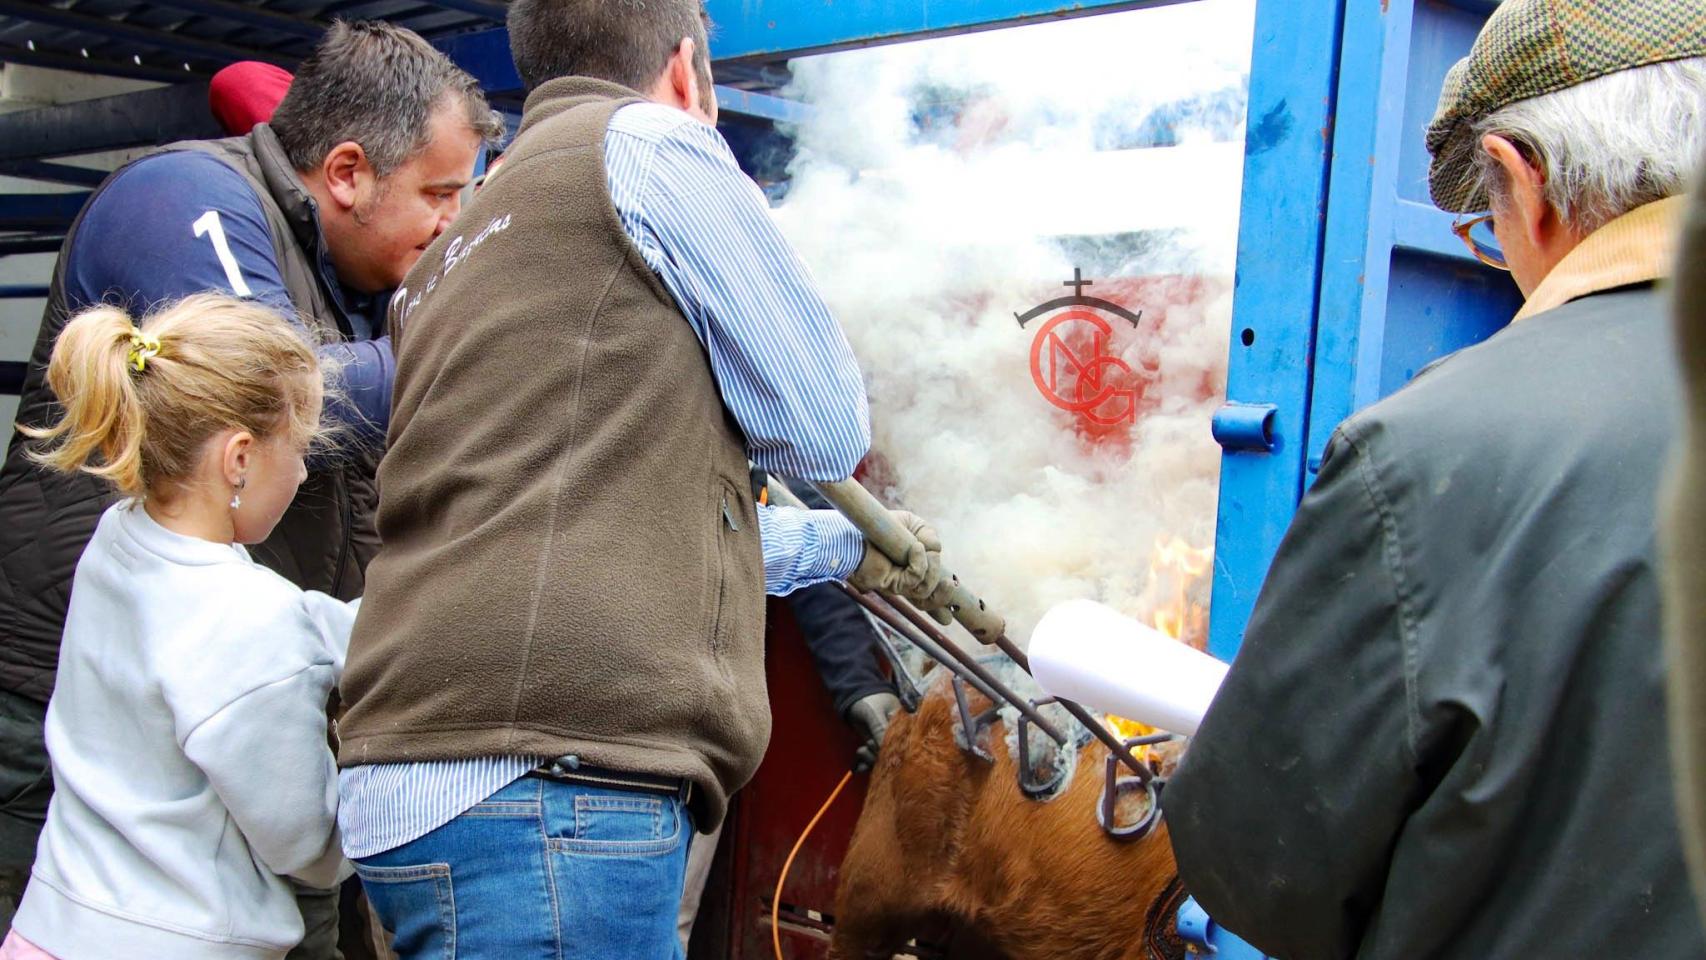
(1526, 187)
(345, 171)
(685, 84)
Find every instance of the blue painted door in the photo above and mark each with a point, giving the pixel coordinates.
(1348, 280)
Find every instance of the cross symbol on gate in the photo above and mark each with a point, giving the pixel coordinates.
(1078, 283)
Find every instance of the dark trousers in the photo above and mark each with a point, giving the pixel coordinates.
(840, 638)
(842, 643)
(26, 786)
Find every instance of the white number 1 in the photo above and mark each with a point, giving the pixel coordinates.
(210, 226)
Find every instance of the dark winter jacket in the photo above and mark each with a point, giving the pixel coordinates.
(1444, 736)
(226, 215)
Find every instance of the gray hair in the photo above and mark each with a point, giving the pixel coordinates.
(1608, 145)
(378, 85)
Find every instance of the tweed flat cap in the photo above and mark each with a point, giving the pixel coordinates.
(1534, 47)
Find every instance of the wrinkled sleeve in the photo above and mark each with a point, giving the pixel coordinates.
(366, 371)
(333, 620)
(1285, 809)
(803, 547)
(265, 754)
(782, 364)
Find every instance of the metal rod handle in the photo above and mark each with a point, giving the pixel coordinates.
(872, 518)
(960, 663)
(880, 530)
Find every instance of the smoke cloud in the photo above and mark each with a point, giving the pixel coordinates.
(943, 187)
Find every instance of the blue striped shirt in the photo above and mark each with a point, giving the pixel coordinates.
(780, 362)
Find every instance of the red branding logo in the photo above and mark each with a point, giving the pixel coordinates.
(1071, 362)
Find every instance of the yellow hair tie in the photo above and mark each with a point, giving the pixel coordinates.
(142, 347)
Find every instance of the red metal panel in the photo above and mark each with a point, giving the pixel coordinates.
(810, 748)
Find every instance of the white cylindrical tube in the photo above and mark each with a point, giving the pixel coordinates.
(1091, 653)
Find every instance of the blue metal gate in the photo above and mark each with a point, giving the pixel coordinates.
(1348, 279)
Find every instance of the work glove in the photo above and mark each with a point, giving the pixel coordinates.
(919, 579)
(869, 717)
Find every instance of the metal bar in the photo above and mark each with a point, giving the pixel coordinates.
(1097, 728)
(1356, 255)
(906, 685)
(12, 377)
(34, 12)
(1427, 229)
(251, 16)
(1287, 149)
(22, 291)
(173, 73)
(40, 243)
(930, 647)
(777, 29)
(762, 30)
(761, 105)
(53, 173)
(1100, 731)
(872, 518)
(924, 627)
(145, 118)
(39, 211)
(881, 530)
(980, 676)
(496, 12)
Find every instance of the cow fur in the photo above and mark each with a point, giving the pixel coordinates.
(946, 836)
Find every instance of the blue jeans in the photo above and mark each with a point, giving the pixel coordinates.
(547, 870)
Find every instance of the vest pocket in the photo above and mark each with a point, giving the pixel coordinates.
(728, 523)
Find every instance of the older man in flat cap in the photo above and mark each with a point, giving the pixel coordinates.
(1445, 734)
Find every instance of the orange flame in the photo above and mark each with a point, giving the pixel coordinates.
(1175, 569)
(1177, 564)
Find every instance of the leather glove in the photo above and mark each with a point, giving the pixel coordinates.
(869, 717)
(919, 579)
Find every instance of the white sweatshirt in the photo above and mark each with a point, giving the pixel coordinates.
(191, 771)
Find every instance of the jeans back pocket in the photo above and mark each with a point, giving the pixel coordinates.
(417, 904)
(626, 825)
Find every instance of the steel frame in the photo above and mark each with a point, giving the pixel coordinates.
(160, 115)
(187, 44)
(778, 29)
(1347, 285)
(1288, 144)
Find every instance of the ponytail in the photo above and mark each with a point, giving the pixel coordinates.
(139, 401)
(104, 425)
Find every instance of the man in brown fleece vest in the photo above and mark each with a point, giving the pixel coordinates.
(558, 670)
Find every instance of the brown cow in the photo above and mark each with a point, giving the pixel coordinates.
(946, 836)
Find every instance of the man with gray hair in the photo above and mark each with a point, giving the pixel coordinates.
(319, 213)
(1445, 734)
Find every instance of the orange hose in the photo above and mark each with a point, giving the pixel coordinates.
(776, 902)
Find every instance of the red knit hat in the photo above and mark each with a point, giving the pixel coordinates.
(246, 93)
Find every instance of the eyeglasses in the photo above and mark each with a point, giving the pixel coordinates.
(1477, 234)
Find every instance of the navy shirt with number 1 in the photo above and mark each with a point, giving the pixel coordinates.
(184, 222)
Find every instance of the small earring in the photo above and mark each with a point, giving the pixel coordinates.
(237, 501)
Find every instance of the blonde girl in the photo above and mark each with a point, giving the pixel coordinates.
(187, 728)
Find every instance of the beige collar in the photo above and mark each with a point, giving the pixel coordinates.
(1636, 247)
